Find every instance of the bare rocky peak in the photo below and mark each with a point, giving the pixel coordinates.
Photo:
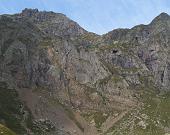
(140, 32)
(37, 15)
(54, 24)
(162, 17)
(29, 12)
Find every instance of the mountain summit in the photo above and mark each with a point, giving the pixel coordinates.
(58, 24)
(162, 16)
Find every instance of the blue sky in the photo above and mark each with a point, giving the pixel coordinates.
(99, 16)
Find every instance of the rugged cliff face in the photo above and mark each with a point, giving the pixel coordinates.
(65, 80)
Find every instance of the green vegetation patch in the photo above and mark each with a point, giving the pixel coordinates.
(116, 78)
(5, 131)
(152, 118)
(98, 117)
(12, 111)
(45, 43)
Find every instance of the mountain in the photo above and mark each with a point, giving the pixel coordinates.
(58, 79)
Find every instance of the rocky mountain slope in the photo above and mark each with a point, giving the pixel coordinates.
(58, 79)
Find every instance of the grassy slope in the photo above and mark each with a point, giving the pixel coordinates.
(155, 113)
(12, 110)
(5, 131)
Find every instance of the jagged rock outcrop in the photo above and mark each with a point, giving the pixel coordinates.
(150, 43)
(51, 23)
